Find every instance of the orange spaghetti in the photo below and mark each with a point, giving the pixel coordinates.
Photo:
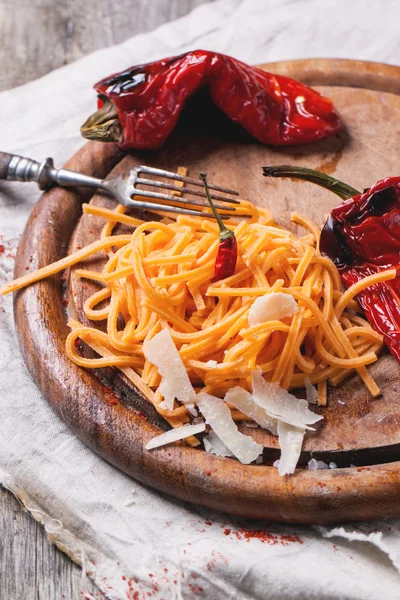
(160, 277)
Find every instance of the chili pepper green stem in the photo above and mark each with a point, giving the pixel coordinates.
(224, 232)
(336, 186)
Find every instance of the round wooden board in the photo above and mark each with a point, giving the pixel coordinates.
(362, 431)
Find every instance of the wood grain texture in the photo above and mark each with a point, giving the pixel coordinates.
(72, 28)
(30, 567)
(116, 432)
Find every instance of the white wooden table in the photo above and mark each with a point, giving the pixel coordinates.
(38, 36)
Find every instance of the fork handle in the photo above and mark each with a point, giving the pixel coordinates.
(5, 159)
(19, 168)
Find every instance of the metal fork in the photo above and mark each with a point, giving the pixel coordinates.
(122, 188)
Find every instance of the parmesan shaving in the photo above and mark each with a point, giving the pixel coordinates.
(317, 465)
(311, 392)
(290, 441)
(214, 445)
(218, 416)
(272, 307)
(173, 435)
(161, 352)
(192, 409)
(280, 404)
(243, 401)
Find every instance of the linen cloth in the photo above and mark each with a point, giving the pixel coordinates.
(135, 542)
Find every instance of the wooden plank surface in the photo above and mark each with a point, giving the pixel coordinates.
(30, 567)
(38, 36)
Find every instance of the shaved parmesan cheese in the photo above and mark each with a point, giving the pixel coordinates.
(317, 465)
(272, 307)
(243, 401)
(290, 441)
(179, 433)
(192, 409)
(281, 405)
(218, 416)
(311, 391)
(175, 383)
(214, 445)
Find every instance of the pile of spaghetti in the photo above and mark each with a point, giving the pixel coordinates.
(161, 277)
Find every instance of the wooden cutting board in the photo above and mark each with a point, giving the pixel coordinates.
(356, 430)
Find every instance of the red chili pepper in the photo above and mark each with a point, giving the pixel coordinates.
(225, 262)
(362, 237)
(139, 107)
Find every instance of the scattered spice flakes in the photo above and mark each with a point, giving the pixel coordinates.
(215, 556)
(265, 537)
(209, 522)
(195, 589)
(110, 396)
(7, 249)
(79, 347)
(141, 415)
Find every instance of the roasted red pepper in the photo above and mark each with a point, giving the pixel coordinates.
(139, 107)
(225, 262)
(362, 237)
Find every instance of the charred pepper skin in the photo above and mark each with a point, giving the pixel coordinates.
(362, 237)
(274, 109)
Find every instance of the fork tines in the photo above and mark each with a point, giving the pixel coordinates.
(187, 181)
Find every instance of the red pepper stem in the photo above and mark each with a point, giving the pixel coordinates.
(336, 186)
(224, 232)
